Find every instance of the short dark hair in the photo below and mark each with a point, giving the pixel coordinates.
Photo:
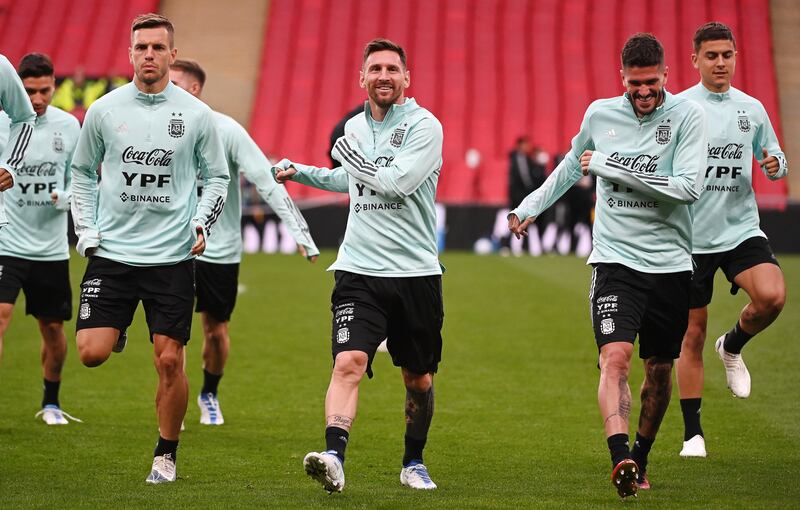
(381, 44)
(152, 20)
(190, 67)
(35, 65)
(713, 31)
(642, 50)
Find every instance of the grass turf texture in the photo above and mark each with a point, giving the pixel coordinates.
(516, 421)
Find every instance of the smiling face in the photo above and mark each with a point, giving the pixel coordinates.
(151, 55)
(716, 61)
(645, 86)
(385, 78)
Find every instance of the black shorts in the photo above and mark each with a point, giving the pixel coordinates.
(408, 312)
(111, 291)
(749, 253)
(216, 286)
(626, 302)
(48, 294)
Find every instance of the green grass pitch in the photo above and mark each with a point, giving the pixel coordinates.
(516, 423)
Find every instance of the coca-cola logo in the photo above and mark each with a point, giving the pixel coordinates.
(155, 157)
(46, 169)
(645, 163)
(730, 151)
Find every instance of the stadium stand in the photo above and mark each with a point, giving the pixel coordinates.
(87, 34)
(490, 70)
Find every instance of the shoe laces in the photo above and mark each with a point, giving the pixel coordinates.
(421, 471)
(210, 401)
(164, 464)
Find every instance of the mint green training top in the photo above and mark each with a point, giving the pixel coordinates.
(37, 228)
(738, 128)
(245, 158)
(390, 170)
(649, 171)
(15, 102)
(152, 147)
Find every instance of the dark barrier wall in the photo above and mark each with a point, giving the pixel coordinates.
(467, 224)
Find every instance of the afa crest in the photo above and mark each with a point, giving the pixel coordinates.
(176, 126)
(664, 133)
(744, 121)
(397, 137)
(58, 143)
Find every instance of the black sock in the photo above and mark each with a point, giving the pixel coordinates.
(618, 446)
(50, 393)
(690, 407)
(210, 382)
(165, 446)
(336, 440)
(735, 339)
(640, 450)
(419, 413)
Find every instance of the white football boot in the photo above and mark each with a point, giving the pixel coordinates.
(163, 470)
(210, 413)
(416, 476)
(694, 447)
(735, 370)
(327, 469)
(53, 415)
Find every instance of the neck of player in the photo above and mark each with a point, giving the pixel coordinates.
(152, 88)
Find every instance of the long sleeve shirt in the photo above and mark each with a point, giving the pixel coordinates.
(390, 170)
(649, 171)
(14, 101)
(738, 129)
(37, 228)
(152, 147)
(246, 159)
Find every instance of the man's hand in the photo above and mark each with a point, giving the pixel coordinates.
(6, 181)
(586, 157)
(199, 245)
(769, 163)
(285, 175)
(304, 253)
(517, 228)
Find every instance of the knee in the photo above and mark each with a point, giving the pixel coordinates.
(52, 332)
(770, 304)
(417, 383)
(694, 338)
(350, 366)
(215, 337)
(614, 362)
(90, 355)
(658, 370)
(169, 362)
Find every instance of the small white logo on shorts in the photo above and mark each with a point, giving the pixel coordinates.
(1, 271)
(85, 311)
(343, 335)
(607, 326)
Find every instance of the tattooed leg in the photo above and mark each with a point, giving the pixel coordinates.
(655, 395)
(613, 393)
(419, 412)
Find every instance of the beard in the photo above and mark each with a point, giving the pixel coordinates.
(384, 102)
(150, 76)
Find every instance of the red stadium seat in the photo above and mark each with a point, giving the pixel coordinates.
(490, 70)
